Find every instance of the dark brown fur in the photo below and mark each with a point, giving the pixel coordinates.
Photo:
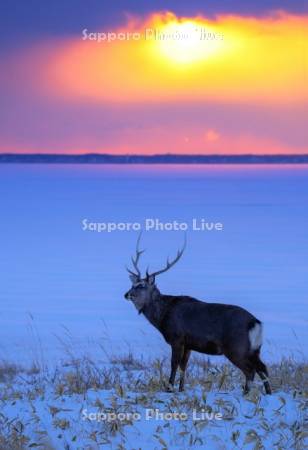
(188, 324)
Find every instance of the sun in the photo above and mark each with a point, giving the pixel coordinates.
(188, 41)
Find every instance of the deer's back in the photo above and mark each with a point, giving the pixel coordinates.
(204, 327)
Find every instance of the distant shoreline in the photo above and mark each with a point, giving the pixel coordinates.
(100, 158)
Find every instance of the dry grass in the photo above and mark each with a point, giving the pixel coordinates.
(128, 361)
(146, 379)
(80, 375)
(8, 371)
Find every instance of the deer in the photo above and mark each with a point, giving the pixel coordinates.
(188, 324)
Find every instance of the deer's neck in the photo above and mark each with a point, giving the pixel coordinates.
(155, 310)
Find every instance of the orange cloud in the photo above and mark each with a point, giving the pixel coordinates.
(159, 140)
(164, 141)
(211, 136)
(142, 95)
(259, 60)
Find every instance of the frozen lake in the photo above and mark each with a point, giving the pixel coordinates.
(60, 282)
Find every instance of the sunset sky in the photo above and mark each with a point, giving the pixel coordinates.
(175, 76)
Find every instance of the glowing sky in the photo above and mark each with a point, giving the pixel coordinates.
(205, 81)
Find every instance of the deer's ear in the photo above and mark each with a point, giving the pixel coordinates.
(151, 279)
(133, 278)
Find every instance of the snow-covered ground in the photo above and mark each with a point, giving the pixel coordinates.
(122, 405)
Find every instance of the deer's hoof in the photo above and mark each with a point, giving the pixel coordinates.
(169, 388)
(245, 390)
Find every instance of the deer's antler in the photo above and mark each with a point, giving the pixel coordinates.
(136, 259)
(170, 264)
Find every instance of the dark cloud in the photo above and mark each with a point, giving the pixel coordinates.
(24, 22)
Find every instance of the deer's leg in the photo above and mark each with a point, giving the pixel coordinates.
(177, 354)
(264, 378)
(261, 370)
(183, 365)
(263, 374)
(246, 366)
(249, 374)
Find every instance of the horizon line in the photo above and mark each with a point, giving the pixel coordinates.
(158, 158)
(153, 154)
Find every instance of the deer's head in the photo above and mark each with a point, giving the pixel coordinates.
(144, 288)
